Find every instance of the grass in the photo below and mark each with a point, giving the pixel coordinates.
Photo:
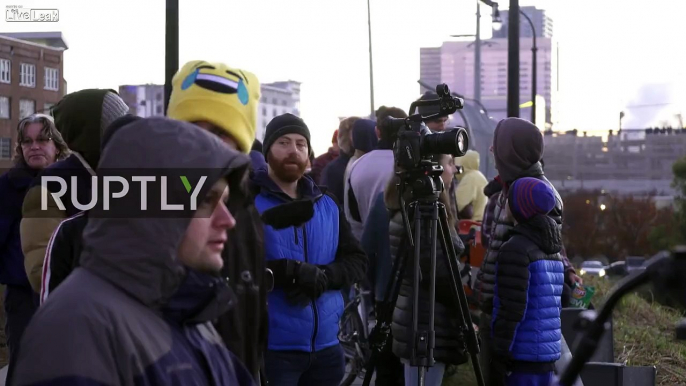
(644, 334)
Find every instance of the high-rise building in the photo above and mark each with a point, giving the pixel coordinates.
(277, 98)
(31, 81)
(456, 62)
(430, 66)
(542, 23)
(145, 100)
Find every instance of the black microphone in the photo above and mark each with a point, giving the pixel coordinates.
(294, 213)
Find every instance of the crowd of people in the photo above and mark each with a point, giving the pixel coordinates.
(223, 297)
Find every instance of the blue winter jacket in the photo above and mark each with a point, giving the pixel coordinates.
(13, 187)
(529, 278)
(325, 240)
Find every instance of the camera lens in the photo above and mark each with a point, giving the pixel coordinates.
(454, 141)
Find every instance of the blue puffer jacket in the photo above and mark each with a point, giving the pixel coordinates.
(529, 278)
(314, 327)
(13, 187)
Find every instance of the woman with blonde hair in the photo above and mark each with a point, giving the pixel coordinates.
(39, 145)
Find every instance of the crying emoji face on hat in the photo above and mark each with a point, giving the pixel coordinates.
(216, 93)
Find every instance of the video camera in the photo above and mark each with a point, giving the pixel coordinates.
(415, 142)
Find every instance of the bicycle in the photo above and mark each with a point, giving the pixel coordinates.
(353, 334)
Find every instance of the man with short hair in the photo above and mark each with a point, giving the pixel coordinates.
(324, 159)
(311, 264)
(334, 172)
(370, 174)
(138, 310)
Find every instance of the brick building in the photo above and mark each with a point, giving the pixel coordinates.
(31, 80)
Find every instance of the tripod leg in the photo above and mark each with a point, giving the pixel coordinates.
(458, 293)
(418, 339)
(380, 337)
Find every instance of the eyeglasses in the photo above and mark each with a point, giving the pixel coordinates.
(28, 142)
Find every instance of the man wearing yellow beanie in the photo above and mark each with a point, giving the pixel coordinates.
(218, 98)
(223, 101)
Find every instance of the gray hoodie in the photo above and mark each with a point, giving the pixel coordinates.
(132, 313)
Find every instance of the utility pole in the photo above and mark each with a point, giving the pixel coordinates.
(477, 54)
(513, 60)
(171, 48)
(371, 65)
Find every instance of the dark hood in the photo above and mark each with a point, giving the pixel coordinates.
(544, 231)
(78, 118)
(306, 186)
(139, 255)
(493, 187)
(517, 145)
(364, 135)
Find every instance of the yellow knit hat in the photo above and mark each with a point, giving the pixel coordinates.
(214, 92)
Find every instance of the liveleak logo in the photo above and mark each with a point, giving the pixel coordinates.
(131, 193)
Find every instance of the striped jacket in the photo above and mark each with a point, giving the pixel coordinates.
(62, 253)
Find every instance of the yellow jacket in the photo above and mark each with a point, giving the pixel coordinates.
(470, 189)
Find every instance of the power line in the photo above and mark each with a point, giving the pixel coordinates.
(648, 105)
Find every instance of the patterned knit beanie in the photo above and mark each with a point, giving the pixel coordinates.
(529, 197)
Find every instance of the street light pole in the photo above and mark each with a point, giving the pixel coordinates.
(513, 60)
(371, 66)
(477, 54)
(171, 48)
(534, 63)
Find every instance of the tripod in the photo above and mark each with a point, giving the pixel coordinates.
(428, 212)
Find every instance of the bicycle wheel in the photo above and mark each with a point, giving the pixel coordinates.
(352, 335)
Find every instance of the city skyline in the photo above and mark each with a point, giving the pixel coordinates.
(611, 52)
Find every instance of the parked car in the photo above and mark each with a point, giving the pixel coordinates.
(635, 263)
(592, 268)
(618, 268)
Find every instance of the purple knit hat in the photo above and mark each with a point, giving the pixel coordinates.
(529, 197)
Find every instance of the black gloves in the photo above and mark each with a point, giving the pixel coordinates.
(301, 281)
(334, 276)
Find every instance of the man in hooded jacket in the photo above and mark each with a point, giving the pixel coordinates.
(518, 148)
(139, 308)
(81, 117)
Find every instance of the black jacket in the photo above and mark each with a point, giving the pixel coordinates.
(245, 327)
(450, 346)
(500, 228)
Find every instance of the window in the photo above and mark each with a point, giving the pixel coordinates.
(284, 103)
(159, 109)
(4, 107)
(276, 113)
(28, 75)
(5, 148)
(26, 108)
(51, 79)
(275, 101)
(47, 107)
(264, 111)
(158, 96)
(5, 71)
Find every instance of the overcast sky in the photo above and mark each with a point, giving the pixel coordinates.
(613, 53)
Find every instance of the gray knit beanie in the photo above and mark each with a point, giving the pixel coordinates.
(113, 107)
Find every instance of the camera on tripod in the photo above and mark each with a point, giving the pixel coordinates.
(414, 152)
(415, 142)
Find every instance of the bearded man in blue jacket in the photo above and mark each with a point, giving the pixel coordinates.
(311, 264)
